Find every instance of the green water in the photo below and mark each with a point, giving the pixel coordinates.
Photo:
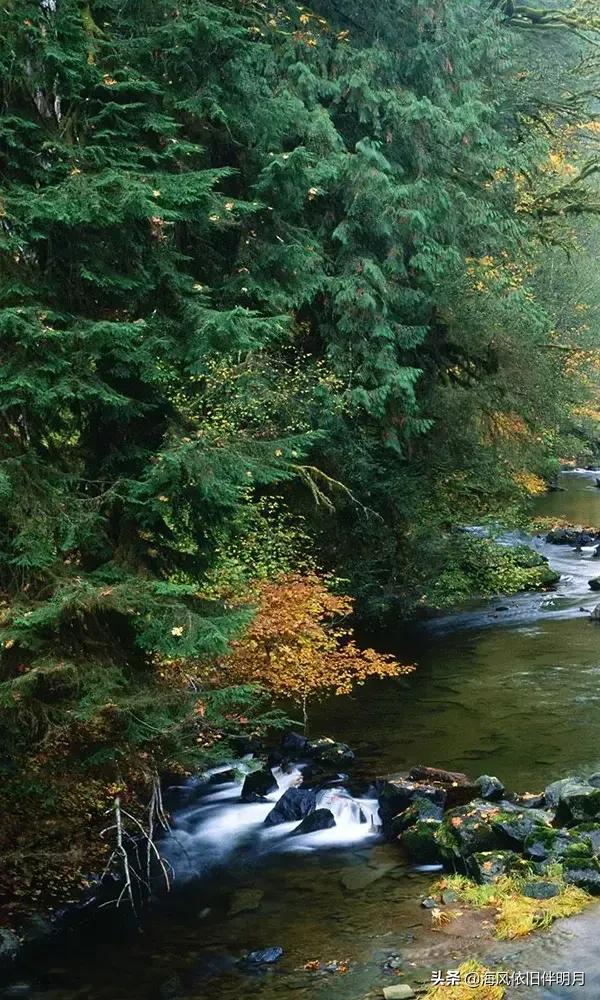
(512, 692)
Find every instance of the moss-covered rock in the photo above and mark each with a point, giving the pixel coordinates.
(553, 792)
(396, 793)
(488, 866)
(517, 825)
(548, 846)
(420, 809)
(591, 831)
(469, 830)
(490, 787)
(420, 842)
(578, 802)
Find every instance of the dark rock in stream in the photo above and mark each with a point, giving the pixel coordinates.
(323, 750)
(330, 753)
(469, 830)
(320, 819)
(572, 536)
(553, 792)
(529, 800)
(419, 809)
(489, 787)
(317, 778)
(420, 841)
(578, 802)
(518, 825)
(257, 785)
(294, 744)
(396, 793)
(594, 584)
(264, 956)
(294, 805)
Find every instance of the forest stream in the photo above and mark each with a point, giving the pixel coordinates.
(509, 688)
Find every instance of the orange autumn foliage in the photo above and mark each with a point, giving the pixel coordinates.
(297, 647)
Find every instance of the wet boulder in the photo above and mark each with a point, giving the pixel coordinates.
(396, 793)
(420, 808)
(222, 776)
(329, 752)
(571, 536)
(317, 777)
(257, 785)
(490, 787)
(585, 876)
(553, 792)
(420, 842)
(552, 845)
(517, 825)
(578, 802)
(293, 806)
(591, 832)
(264, 956)
(469, 830)
(320, 819)
(458, 787)
(594, 583)
(294, 744)
(488, 866)
(542, 845)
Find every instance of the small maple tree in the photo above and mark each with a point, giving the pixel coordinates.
(298, 647)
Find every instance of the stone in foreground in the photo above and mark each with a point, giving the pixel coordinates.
(400, 992)
(540, 890)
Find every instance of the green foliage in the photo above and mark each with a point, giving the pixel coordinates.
(268, 302)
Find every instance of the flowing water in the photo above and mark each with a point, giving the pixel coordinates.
(509, 688)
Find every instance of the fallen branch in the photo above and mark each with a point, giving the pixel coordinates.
(125, 859)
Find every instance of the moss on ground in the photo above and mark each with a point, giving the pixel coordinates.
(517, 914)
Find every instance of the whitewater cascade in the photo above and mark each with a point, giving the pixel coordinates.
(216, 823)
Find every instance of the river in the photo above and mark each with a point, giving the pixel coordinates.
(508, 688)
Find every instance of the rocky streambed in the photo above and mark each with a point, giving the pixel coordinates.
(438, 818)
(478, 827)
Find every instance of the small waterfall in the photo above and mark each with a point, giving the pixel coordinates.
(218, 825)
